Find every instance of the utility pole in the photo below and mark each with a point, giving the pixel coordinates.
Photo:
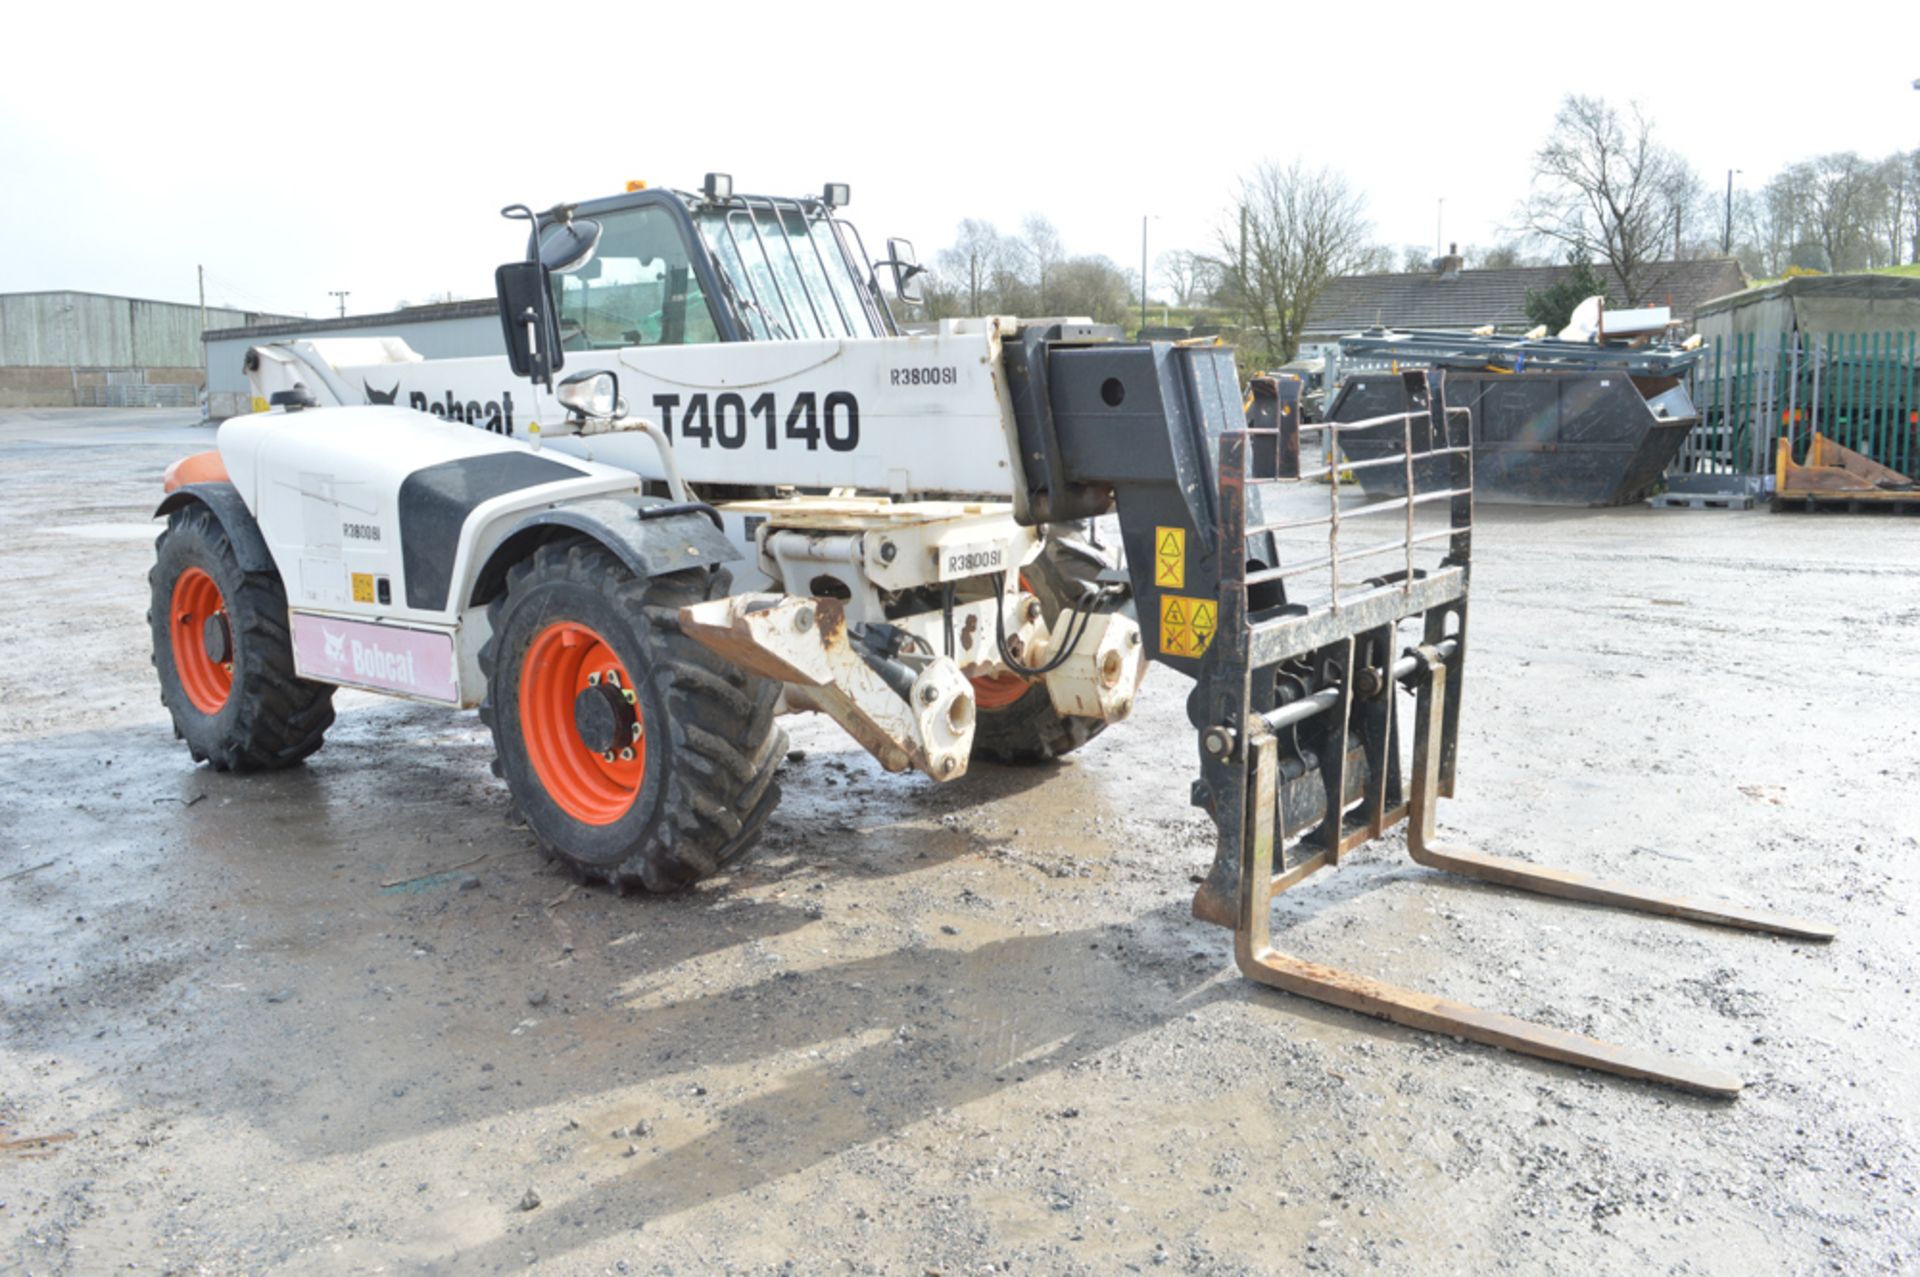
(342, 296)
(206, 382)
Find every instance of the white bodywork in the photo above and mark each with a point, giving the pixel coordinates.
(324, 489)
(904, 415)
(907, 416)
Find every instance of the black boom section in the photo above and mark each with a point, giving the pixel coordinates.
(435, 503)
(1144, 422)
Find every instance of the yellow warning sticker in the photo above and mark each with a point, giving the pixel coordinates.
(1170, 558)
(1187, 625)
(362, 587)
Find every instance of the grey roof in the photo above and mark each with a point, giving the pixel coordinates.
(1499, 297)
(478, 308)
(1859, 287)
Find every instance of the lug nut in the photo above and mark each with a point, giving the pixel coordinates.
(593, 680)
(613, 676)
(629, 694)
(638, 731)
(626, 755)
(608, 755)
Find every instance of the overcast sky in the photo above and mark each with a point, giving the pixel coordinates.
(297, 149)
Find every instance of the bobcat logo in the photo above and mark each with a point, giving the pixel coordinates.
(336, 646)
(380, 396)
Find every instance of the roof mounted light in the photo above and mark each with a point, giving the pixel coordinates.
(635, 184)
(836, 195)
(718, 187)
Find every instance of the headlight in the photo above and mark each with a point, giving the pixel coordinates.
(595, 393)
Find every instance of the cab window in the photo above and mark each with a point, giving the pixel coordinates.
(639, 289)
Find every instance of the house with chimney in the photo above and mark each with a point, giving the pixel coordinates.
(1449, 297)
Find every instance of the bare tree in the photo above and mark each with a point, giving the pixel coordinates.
(1415, 259)
(1502, 256)
(1288, 231)
(1841, 194)
(1191, 277)
(1092, 286)
(1042, 252)
(1898, 204)
(969, 267)
(988, 272)
(1605, 187)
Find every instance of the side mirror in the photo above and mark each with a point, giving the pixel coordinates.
(532, 331)
(566, 246)
(907, 285)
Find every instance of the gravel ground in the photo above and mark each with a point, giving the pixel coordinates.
(343, 1019)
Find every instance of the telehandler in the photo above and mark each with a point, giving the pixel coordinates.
(757, 493)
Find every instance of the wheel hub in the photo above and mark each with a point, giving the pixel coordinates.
(603, 718)
(218, 638)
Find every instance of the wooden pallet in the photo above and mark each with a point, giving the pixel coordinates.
(1701, 501)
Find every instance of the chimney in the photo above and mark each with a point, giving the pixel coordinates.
(1448, 267)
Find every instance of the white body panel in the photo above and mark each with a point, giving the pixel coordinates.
(324, 487)
(917, 414)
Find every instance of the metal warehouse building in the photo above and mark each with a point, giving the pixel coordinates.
(444, 330)
(79, 350)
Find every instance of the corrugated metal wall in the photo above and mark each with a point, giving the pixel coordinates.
(88, 330)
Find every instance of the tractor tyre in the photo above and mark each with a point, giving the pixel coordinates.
(224, 653)
(635, 754)
(1015, 721)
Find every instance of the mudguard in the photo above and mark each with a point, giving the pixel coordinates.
(249, 547)
(649, 545)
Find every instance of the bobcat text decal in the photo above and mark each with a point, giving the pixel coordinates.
(392, 658)
(494, 415)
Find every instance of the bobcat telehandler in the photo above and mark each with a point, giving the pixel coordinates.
(754, 493)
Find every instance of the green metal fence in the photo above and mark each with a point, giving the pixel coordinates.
(1861, 390)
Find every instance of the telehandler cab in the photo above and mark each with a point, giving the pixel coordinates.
(758, 494)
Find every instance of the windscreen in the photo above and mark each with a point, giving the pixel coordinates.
(791, 272)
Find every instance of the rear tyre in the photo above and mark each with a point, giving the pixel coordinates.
(224, 655)
(1015, 721)
(636, 755)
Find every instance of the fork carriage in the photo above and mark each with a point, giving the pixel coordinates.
(1289, 686)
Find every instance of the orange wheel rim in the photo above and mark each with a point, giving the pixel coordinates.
(572, 683)
(997, 691)
(202, 640)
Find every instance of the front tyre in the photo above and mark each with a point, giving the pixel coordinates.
(635, 754)
(224, 656)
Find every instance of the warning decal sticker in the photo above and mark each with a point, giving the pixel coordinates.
(1170, 558)
(1187, 625)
